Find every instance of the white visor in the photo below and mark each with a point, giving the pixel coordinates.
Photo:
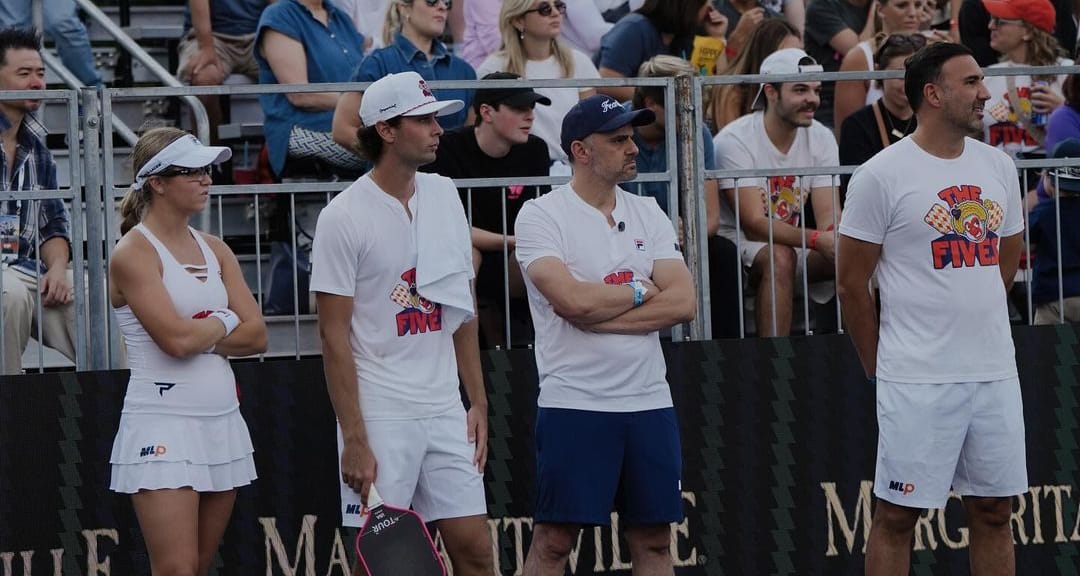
(186, 152)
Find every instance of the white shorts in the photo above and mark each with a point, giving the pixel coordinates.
(424, 463)
(933, 437)
(820, 292)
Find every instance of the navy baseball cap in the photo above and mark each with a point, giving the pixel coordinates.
(599, 113)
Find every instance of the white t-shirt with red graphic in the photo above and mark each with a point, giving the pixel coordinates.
(1002, 127)
(744, 145)
(588, 370)
(365, 248)
(944, 316)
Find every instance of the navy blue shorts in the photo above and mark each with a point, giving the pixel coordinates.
(589, 463)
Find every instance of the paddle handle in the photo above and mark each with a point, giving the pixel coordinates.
(373, 498)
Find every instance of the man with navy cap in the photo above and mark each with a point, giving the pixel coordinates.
(604, 274)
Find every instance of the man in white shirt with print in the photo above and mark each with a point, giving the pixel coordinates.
(392, 356)
(604, 274)
(781, 133)
(939, 216)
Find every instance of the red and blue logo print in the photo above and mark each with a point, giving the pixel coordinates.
(420, 315)
(968, 226)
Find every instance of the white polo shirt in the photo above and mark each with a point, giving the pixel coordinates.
(365, 248)
(587, 370)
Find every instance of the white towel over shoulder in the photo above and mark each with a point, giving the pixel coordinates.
(444, 269)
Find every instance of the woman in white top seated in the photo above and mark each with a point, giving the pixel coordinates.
(895, 17)
(183, 307)
(532, 49)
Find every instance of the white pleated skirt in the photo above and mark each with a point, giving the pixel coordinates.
(205, 453)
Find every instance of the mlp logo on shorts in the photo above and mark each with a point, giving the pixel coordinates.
(904, 488)
(158, 450)
(420, 315)
(968, 226)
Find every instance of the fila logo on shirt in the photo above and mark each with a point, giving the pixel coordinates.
(420, 315)
(968, 227)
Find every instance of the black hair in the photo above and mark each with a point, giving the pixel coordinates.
(18, 37)
(677, 17)
(924, 67)
(369, 144)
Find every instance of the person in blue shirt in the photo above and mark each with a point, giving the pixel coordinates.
(1045, 237)
(411, 34)
(305, 42)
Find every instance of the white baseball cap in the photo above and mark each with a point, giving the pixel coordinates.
(402, 94)
(786, 61)
(186, 152)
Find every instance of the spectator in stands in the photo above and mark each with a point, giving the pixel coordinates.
(368, 16)
(897, 17)
(651, 142)
(62, 24)
(730, 101)
(481, 37)
(833, 28)
(532, 49)
(1015, 116)
(973, 24)
(181, 303)
(657, 27)
(1064, 122)
(219, 40)
(1065, 183)
(305, 42)
(743, 18)
(586, 23)
(27, 164)
(499, 145)
(411, 33)
(875, 126)
(781, 133)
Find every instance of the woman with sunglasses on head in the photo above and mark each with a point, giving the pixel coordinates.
(897, 17)
(532, 49)
(875, 126)
(182, 305)
(1014, 119)
(730, 101)
(657, 27)
(411, 33)
(305, 42)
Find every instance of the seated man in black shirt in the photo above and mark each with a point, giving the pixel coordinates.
(499, 145)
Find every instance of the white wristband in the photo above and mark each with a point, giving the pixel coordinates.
(228, 318)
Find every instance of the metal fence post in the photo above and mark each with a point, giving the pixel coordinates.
(94, 227)
(691, 190)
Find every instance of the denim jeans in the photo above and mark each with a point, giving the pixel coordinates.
(62, 24)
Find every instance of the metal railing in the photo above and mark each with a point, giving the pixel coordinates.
(684, 178)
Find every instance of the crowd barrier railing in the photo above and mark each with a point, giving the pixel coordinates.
(685, 178)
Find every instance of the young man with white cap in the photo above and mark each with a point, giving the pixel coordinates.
(781, 133)
(391, 269)
(938, 218)
(604, 274)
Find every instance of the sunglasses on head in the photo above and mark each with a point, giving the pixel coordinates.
(900, 42)
(545, 8)
(193, 173)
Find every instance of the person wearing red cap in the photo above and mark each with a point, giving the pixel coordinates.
(1022, 31)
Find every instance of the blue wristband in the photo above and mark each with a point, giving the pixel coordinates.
(639, 293)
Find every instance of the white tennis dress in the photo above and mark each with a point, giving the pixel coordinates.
(181, 423)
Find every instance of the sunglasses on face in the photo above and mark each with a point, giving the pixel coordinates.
(191, 173)
(998, 22)
(545, 8)
(434, 3)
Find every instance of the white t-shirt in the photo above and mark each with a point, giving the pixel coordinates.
(365, 248)
(368, 16)
(547, 120)
(1001, 121)
(587, 370)
(743, 145)
(944, 316)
